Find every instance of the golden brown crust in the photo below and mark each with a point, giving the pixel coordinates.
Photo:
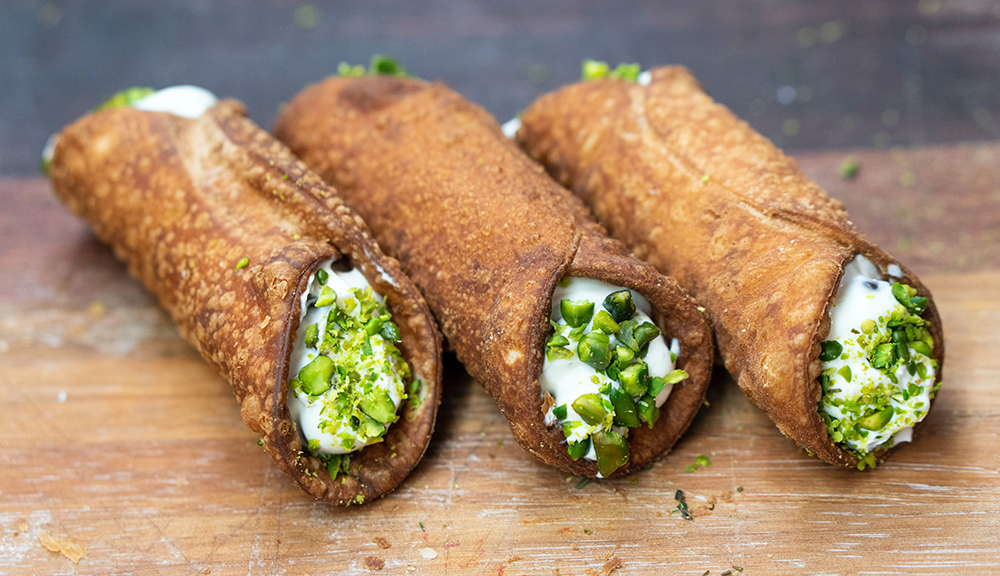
(700, 195)
(181, 202)
(485, 235)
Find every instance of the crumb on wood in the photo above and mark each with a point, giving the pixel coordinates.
(610, 565)
(374, 563)
(67, 546)
(382, 543)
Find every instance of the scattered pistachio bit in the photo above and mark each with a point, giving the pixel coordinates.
(243, 262)
(682, 505)
(849, 167)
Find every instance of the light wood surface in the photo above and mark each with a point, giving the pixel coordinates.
(114, 432)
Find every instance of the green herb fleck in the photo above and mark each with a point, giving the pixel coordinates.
(849, 168)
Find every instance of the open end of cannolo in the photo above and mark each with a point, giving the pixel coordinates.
(880, 359)
(627, 360)
(607, 369)
(356, 409)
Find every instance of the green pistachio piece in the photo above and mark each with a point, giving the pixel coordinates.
(620, 305)
(903, 351)
(626, 335)
(594, 349)
(675, 376)
(625, 411)
(333, 465)
(901, 293)
(648, 410)
(326, 297)
(125, 98)
(390, 331)
(622, 356)
(646, 333)
(322, 276)
(312, 335)
(315, 376)
(559, 412)
(579, 449)
(591, 409)
(628, 72)
(372, 428)
(612, 451)
(845, 372)
(831, 350)
(576, 313)
(385, 66)
(557, 340)
(921, 348)
(656, 385)
(885, 355)
(868, 326)
(379, 406)
(635, 379)
(594, 69)
(373, 326)
(878, 420)
(558, 353)
(605, 323)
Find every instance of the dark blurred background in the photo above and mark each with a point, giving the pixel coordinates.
(808, 74)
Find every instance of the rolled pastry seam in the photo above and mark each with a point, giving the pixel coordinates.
(838, 342)
(271, 277)
(497, 247)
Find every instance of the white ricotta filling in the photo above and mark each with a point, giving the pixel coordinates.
(566, 379)
(863, 296)
(511, 127)
(315, 416)
(186, 100)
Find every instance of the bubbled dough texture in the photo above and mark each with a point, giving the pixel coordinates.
(181, 201)
(485, 235)
(761, 246)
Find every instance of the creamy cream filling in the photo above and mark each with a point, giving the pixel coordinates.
(511, 127)
(186, 100)
(863, 300)
(316, 416)
(566, 379)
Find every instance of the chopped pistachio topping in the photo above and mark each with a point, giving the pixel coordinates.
(380, 66)
(878, 369)
(125, 98)
(595, 69)
(608, 372)
(349, 377)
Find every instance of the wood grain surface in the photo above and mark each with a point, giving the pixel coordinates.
(113, 432)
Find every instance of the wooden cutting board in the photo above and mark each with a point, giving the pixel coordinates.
(114, 432)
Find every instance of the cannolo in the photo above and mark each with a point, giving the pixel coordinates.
(598, 362)
(332, 353)
(834, 338)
